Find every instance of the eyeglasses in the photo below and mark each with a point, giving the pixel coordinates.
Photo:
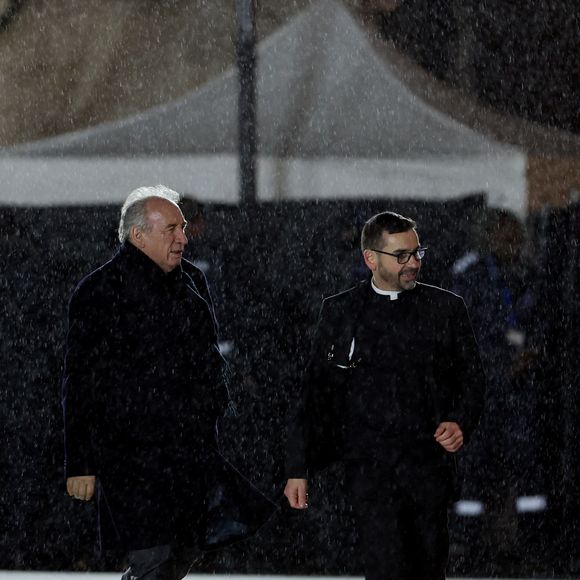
(404, 257)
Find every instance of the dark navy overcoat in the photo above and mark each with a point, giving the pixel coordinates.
(143, 387)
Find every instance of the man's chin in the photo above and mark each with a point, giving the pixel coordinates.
(175, 258)
(408, 284)
(173, 264)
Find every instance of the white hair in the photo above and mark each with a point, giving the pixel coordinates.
(134, 210)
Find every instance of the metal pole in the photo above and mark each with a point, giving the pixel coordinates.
(247, 140)
(462, 65)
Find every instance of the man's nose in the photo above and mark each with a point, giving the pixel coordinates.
(416, 259)
(182, 237)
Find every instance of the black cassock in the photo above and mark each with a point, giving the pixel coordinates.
(383, 374)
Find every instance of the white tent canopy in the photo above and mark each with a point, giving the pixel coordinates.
(334, 122)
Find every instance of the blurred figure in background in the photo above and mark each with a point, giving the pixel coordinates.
(501, 288)
(193, 211)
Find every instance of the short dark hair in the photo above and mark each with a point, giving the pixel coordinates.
(387, 221)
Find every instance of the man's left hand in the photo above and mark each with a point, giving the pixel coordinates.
(449, 436)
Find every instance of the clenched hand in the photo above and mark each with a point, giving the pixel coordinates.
(449, 436)
(81, 487)
(296, 491)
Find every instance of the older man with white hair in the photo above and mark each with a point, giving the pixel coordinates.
(143, 387)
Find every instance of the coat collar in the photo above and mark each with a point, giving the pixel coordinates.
(138, 262)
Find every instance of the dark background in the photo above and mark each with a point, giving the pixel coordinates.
(519, 58)
(269, 268)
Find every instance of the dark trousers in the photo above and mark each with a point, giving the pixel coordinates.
(401, 518)
(167, 562)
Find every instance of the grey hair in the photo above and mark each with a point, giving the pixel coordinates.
(134, 210)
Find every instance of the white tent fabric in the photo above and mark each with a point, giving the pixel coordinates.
(334, 121)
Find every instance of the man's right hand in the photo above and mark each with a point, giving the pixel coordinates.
(81, 487)
(296, 491)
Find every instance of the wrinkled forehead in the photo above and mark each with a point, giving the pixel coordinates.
(163, 210)
(408, 240)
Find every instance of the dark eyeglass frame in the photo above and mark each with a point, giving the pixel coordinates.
(404, 257)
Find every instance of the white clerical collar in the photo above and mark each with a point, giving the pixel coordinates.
(392, 294)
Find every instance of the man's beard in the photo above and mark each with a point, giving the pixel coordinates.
(408, 278)
(398, 281)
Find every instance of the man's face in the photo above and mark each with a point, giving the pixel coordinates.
(165, 239)
(388, 274)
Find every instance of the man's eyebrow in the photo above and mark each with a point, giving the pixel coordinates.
(172, 226)
(403, 250)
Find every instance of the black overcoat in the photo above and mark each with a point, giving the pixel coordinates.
(437, 349)
(143, 387)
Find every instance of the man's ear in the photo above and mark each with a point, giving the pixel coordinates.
(370, 260)
(136, 237)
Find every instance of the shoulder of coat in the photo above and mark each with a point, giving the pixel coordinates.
(349, 294)
(99, 281)
(436, 293)
(347, 301)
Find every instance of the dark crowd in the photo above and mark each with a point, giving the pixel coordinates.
(268, 267)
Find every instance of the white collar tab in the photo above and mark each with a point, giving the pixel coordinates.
(392, 294)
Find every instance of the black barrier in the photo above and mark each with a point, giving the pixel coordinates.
(561, 235)
(268, 269)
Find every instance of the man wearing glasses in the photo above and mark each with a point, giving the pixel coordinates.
(394, 387)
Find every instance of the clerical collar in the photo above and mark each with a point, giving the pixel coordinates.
(392, 294)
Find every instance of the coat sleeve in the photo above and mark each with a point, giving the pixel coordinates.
(221, 403)
(199, 280)
(466, 372)
(84, 352)
(299, 433)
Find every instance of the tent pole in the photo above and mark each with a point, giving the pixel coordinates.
(247, 141)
